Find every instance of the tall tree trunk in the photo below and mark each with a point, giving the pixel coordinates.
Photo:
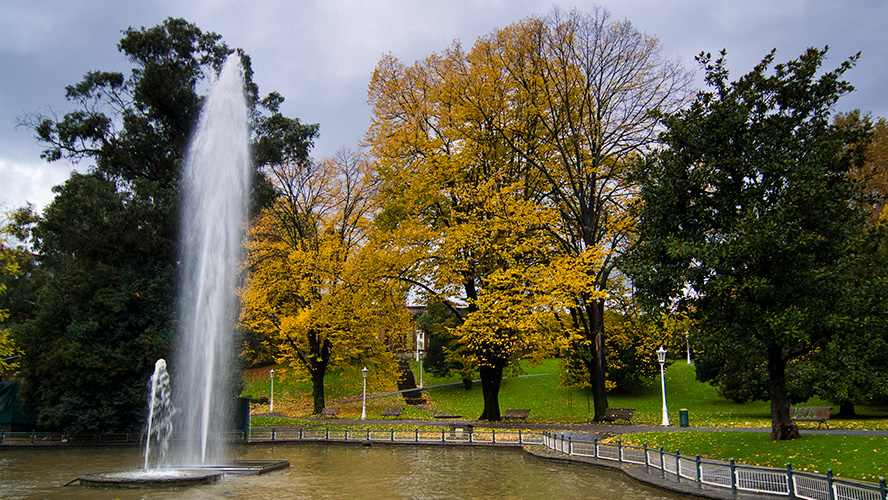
(846, 409)
(596, 362)
(317, 389)
(491, 379)
(782, 427)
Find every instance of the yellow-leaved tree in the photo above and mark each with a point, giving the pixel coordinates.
(463, 219)
(312, 289)
(9, 270)
(564, 104)
(8, 350)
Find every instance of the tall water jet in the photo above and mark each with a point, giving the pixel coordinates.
(213, 217)
(160, 414)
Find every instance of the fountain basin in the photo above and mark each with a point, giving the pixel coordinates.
(180, 477)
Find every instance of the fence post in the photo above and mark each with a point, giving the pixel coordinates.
(678, 465)
(272, 433)
(326, 433)
(472, 435)
(416, 435)
(829, 481)
(393, 435)
(662, 463)
(733, 476)
(620, 452)
(368, 434)
(699, 473)
(570, 447)
(883, 491)
(790, 482)
(595, 448)
(646, 461)
(442, 435)
(520, 441)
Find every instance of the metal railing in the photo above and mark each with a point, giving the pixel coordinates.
(454, 434)
(451, 435)
(729, 475)
(34, 437)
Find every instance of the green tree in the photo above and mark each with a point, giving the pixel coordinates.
(106, 244)
(848, 370)
(746, 224)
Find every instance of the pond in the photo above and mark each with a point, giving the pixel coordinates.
(335, 471)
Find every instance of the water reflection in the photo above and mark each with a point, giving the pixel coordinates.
(335, 471)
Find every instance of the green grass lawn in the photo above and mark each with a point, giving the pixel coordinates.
(538, 389)
(854, 457)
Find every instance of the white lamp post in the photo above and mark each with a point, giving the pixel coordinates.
(420, 347)
(271, 400)
(661, 355)
(364, 401)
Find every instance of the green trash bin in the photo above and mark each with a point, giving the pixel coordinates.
(683, 417)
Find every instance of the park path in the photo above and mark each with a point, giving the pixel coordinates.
(585, 429)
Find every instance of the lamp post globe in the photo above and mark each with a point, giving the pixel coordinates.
(364, 398)
(661, 356)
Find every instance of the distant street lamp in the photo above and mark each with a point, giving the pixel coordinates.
(271, 400)
(420, 349)
(661, 355)
(364, 400)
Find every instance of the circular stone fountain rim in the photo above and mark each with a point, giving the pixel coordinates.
(139, 479)
(202, 474)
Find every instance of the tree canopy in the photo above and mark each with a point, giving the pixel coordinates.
(106, 244)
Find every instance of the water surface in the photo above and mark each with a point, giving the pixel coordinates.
(335, 471)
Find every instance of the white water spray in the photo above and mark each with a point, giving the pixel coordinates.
(160, 414)
(213, 215)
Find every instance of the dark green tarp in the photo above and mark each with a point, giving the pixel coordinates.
(11, 416)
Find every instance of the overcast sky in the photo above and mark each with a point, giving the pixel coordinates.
(320, 54)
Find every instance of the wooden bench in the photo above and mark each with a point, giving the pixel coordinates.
(329, 412)
(516, 414)
(392, 412)
(819, 414)
(612, 414)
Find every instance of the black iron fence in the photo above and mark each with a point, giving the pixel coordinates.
(729, 475)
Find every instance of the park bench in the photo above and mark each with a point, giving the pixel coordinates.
(117, 437)
(392, 412)
(516, 414)
(612, 414)
(819, 414)
(329, 412)
(80, 438)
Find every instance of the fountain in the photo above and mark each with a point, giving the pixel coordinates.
(160, 413)
(214, 212)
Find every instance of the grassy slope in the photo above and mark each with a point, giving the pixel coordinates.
(857, 457)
